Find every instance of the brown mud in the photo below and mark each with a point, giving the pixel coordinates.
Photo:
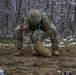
(37, 65)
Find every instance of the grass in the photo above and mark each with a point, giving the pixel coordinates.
(63, 41)
(7, 41)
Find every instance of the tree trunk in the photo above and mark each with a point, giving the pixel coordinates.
(19, 11)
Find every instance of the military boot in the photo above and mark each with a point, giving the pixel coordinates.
(19, 53)
(55, 47)
(56, 52)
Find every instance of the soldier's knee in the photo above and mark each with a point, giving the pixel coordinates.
(17, 30)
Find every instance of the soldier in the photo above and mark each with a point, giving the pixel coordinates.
(32, 22)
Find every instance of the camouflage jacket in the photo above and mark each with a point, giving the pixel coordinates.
(24, 27)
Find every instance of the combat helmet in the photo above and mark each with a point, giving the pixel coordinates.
(34, 17)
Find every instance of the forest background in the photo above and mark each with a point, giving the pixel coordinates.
(61, 12)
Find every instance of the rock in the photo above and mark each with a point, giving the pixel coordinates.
(35, 73)
(48, 73)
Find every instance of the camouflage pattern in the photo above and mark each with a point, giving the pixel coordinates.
(18, 35)
(27, 26)
(34, 17)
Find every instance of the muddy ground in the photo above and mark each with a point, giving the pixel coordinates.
(31, 65)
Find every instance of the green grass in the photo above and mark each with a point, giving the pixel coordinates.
(7, 41)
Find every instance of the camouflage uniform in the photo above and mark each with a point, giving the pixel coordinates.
(32, 22)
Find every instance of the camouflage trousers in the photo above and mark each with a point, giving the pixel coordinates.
(32, 41)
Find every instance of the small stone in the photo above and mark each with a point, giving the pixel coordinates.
(48, 73)
(59, 71)
(31, 73)
(35, 73)
(36, 64)
(53, 72)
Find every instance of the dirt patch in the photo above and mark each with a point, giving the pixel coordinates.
(31, 65)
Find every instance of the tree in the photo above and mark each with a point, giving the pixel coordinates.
(19, 10)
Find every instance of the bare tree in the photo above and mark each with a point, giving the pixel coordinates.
(61, 12)
(19, 10)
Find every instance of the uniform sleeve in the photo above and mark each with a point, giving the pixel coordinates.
(18, 35)
(49, 28)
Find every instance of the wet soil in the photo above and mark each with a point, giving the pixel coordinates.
(37, 65)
